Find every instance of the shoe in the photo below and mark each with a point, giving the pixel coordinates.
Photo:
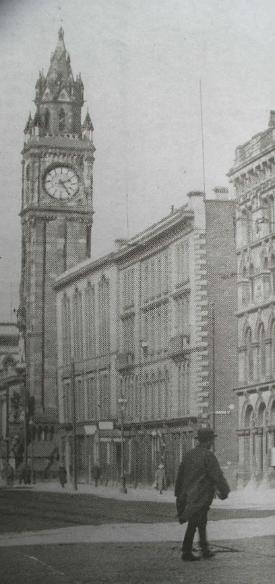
(206, 554)
(189, 557)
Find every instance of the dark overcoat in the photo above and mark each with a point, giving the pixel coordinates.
(199, 478)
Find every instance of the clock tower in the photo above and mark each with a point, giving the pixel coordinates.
(56, 216)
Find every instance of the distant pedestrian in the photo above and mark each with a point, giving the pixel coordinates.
(62, 475)
(96, 473)
(9, 475)
(199, 478)
(26, 473)
(160, 478)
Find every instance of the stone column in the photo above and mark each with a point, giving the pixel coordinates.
(258, 453)
(252, 455)
(241, 461)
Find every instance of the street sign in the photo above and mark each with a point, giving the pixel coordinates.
(90, 430)
(106, 425)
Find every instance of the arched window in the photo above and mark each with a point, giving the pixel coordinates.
(61, 120)
(66, 329)
(262, 355)
(261, 414)
(248, 355)
(248, 416)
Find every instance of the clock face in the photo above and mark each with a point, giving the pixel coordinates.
(61, 182)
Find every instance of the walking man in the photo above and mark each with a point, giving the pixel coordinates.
(199, 478)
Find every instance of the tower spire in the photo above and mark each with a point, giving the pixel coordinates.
(59, 96)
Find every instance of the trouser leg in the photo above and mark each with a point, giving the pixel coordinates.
(202, 522)
(187, 543)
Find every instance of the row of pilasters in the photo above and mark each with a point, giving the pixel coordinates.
(254, 455)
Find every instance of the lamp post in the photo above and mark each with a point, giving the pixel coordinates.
(122, 404)
(74, 443)
(31, 425)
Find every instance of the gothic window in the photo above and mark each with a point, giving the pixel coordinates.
(28, 183)
(104, 315)
(252, 284)
(61, 120)
(273, 348)
(261, 414)
(47, 120)
(66, 329)
(249, 230)
(248, 417)
(248, 355)
(271, 214)
(262, 353)
(90, 332)
(78, 326)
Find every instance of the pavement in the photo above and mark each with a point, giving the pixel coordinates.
(229, 529)
(249, 497)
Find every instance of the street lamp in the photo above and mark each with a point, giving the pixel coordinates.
(31, 425)
(122, 401)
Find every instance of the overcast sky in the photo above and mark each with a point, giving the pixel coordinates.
(141, 64)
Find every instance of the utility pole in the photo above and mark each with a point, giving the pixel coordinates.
(122, 402)
(74, 450)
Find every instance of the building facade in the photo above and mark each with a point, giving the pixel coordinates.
(56, 217)
(11, 398)
(253, 176)
(134, 345)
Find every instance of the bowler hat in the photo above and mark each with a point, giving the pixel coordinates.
(205, 434)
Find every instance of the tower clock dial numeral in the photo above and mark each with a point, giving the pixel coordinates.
(61, 182)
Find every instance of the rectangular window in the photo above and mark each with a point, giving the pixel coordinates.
(90, 332)
(182, 261)
(105, 396)
(67, 401)
(92, 399)
(79, 400)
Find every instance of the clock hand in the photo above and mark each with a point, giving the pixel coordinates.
(62, 183)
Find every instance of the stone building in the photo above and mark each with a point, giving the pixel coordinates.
(138, 326)
(56, 218)
(11, 396)
(253, 176)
